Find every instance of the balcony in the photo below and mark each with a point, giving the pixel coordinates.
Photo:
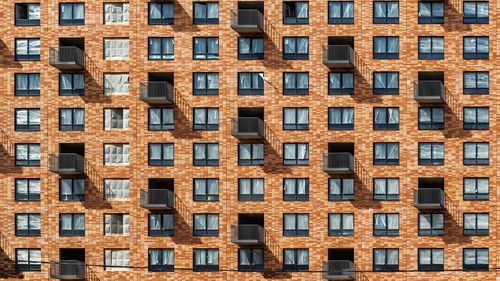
(247, 234)
(67, 58)
(68, 270)
(248, 128)
(338, 163)
(157, 92)
(247, 21)
(157, 199)
(338, 56)
(67, 164)
(429, 91)
(428, 198)
(339, 270)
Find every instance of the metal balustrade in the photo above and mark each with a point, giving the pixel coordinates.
(338, 163)
(157, 199)
(429, 198)
(67, 164)
(156, 92)
(68, 269)
(429, 91)
(247, 21)
(338, 56)
(248, 128)
(67, 57)
(247, 234)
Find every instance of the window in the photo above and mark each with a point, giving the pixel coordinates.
(340, 189)
(476, 47)
(476, 224)
(295, 118)
(28, 259)
(386, 47)
(206, 189)
(476, 118)
(116, 154)
(386, 118)
(206, 119)
(430, 259)
(296, 83)
(160, 259)
(116, 224)
(476, 12)
(161, 154)
(161, 13)
(27, 13)
(28, 154)
(250, 154)
(296, 225)
(386, 189)
(341, 118)
(385, 12)
(71, 224)
(296, 259)
(341, 83)
(296, 48)
(430, 118)
(115, 189)
(72, 13)
(250, 83)
(386, 83)
(161, 48)
(71, 119)
(206, 224)
(430, 224)
(71, 84)
(116, 118)
(340, 224)
(476, 259)
(431, 47)
(296, 154)
(161, 225)
(430, 153)
(27, 224)
(476, 82)
(296, 189)
(295, 12)
(386, 153)
(27, 84)
(27, 119)
(205, 83)
(340, 12)
(27, 189)
(28, 49)
(385, 224)
(206, 48)
(430, 12)
(250, 189)
(385, 259)
(476, 153)
(206, 12)
(116, 13)
(161, 119)
(115, 49)
(206, 154)
(116, 259)
(206, 260)
(116, 84)
(476, 188)
(250, 259)
(71, 189)
(250, 48)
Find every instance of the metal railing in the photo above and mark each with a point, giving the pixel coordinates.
(338, 161)
(429, 89)
(247, 18)
(339, 270)
(429, 197)
(247, 233)
(338, 53)
(66, 163)
(68, 269)
(248, 126)
(156, 90)
(157, 199)
(66, 55)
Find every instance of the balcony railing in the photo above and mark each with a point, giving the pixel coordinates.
(339, 270)
(68, 269)
(338, 163)
(247, 21)
(157, 199)
(338, 56)
(429, 198)
(429, 91)
(67, 164)
(247, 234)
(248, 128)
(67, 58)
(157, 92)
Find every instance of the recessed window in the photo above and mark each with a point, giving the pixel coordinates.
(386, 189)
(71, 119)
(27, 13)
(116, 13)
(116, 224)
(295, 189)
(206, 12)
(476, 82)
(430, 153)
(116, 154)
(27, 154)
(296, 154)
(161, 119)
(71, 225)
(28, 259)
(476, 153)
(116, 259)
(385, 260)
(27, 84)
(340, 224)
(205, 260)
(340, 189)
(340, 12)
(71, 189)
(161, 154)
(71, 84)
(476, 224)
(116, 49)
(206, 224)
(250, 154)
(295, 12)
(476, 47)
(476, 188)
(430, 224)
(386, 12)
(476, 12)
(27, 119)
(161, 225)
(160, 260)
(386, 83)
(296, 260)
(206, 119)
(386, 153)
(295, 48)
(205, 189)
(295, 118)
(250, 259)
(161, 13)
(430, 12)
(116, 189)
(476, 118)
(27, 189)
(27, 224)
(116, 84)
(386, 47)
(341, 118)
(72, 13)
(206, 154)
(161, 48)
(28, 49)
(250, 83)
(430, 259)
(476, 259)
(251, 189)
(341, 83)
(296, 225)
(386, 118)
(385, 224)
(430, 118)
(206, 48)
(431, 47)
(250, 48)
(116, 118)
(296, 83)
(205, 83)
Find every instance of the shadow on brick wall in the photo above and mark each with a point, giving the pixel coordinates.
(183, 21)
(8, 57)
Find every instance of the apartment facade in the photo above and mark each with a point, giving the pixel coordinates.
(232, 140)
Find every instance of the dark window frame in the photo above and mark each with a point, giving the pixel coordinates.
(386, 90)
(432, 55)
(72, 21)
(342, 126)
(206, 161)
(477, 195)
(295, 267)
(251, 55)
(341, 231)
(432, 125)
(289, 18)
(476, 90)
(295, 126)
(30, 266)
(296, 55)
(160, 267)
(432, 231)
(251, 267)
(29, 126)
(476, 266)
(475, 19)
(343, 196)
(206, 91)
(296, 197)
(28, 161)
(386, 19)
(205, 197)
(206, 232)
(205, 20)
(476, 161)
(342, 90)
(476, 231)
(72, 232)
(386, 125)
(386, 267)
(72, 127)
(296, 232)
(296, 90)
(386, 196)
(29, 231)
(342, 19)
(205, 267)
(206, 54)
(30, 196)
(432, 19)
(29, 91)
(432, 161)
(205, 126)
(25, 22)
(386, 160)
(296, 161)
(432, 266)
(386, 54)
(477, 125)
(73, 197)
(476, 54)
(161, 127)
(385, 231)
(73, 91)
(28, 57)
(161, 54)
(252, 161)
(164, 231)
(251, 90)
(252, 196)
(162, 21)
(162, 161)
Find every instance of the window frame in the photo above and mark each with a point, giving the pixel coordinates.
(475, 19)
(117, 220)
(164, 231)
(296, 232)
(29, 231)
(476, 161)
(28, 91)
(206, 161)
(386, 90)
(386, 267)
(161, 161)
(162, 126)
(476, 54)
(205, 267)
(432, 125)
(29, 265)
(386, 160)
(432, 231)
(296, 55)
(28, 56)
(71, 21)
(206, 19)
(28, 161)
(207, 91)
(341, 19)
(342, 90)
(296, 125)
(296, 161)
(385, 126)
(206, 55)
(115, 4)
(386, 19)
(205, 126)
(476, 231)
(431, 161)
(476, 196)
(251, 55)
(476, 90)
(296, 196)
(432, 55)
(252, 196)
(386, 55)
(251, 90)
(162, 20)
(29, 126)
(475, 266)
(341, 231)
(251, 267)
(343, 126)
(121, 146)
(206, 197)
(162, 55)
(160, 267)
(206, 232)
(343, 196)
(386, 196)
(73, 126)
(477, 125)
(74, 196)
(296, 267)
(72, 232)
(296, 90)
(294, 19)
(25, 22)
(432, 19)
(29, 195)
(385, 231)
(74, 91)
(432, 266)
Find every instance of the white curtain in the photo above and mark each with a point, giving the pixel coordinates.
(393, 9)
(244, 47)
(34, 11)
(380, 151)
(154, 48)
(168, 48)
(302, 257)
(66, 11)
(424, 221)
(245, 151)
(482, 45)
(393, 221)
(302, 80)
(424, 9)
(245, 256)
(22, 81)
(200, 187)
(212, 186)
(257, 45)
(289, 256)
(34, 222)
(469, 44)
(116, 48)
(438, 45)
(335, 220)
(34, 116)
(258, 186)
(155, 10)
(22, 222)
(437, 221)
(302, 9)
(22, 46)
(303, 151)
(22, 152)
(200, 47)
(213, 47)
(302, 116)
(380, 9)
(290, 151)
(116, 83)
(289, 116)
(212, 257)
(379, 257)
(79, 115)
(437, 256)
(380, 45)
(290, 80)
(334, 9)
(213, 151)
(119, 258)
(168, 151)
(380, 221)
(212, 10)
(200, 257)
(66, 187)
(380, 80)
(393, 115)
(302, 45)
(392, 44)
(380, 186)
(348, 9)
(393, 186)
(438, 151)
(22, 117)
(392, 256)
(116, 13)
(482, 256)
(335, 116)
(470, 221)
(66, 221)
(290, 222)
(425, 151)
(483, 185)
(424, 256)
(348, 116)
(392, 80)
(302, 221)
(212, 222)
(79, 11)
(482, 150)
(200, 10)
(245, 80)
(348, 221)
(34, 48)
(393, 151)
(155, 151)
(335, 186)
(34, 152)
(200, 81)
(213, 116)
(482, 221)
(424, 45)
(301, 186)
(245, 186)
(289, 45)
(289, 186)
(200, 151)
(380, 117)
(258, 151)
(200, 222)
(213, 80)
